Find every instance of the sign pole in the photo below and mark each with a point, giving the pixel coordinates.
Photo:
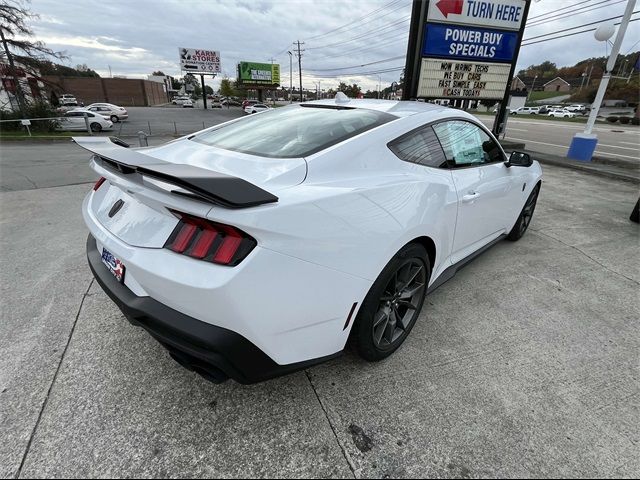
(204, 92)
(500, 122)
(414, 49)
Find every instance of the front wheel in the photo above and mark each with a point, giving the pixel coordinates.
(115, 119)
(95, 127)
(391, 308)
(525, 216)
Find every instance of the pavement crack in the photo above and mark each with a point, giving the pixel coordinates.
(346, 456)
(30, 181)
(53, 381)
(588, 256)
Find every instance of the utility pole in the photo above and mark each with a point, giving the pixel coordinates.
(12, 67)
(290, 76)
(584, 144)
(299, 54)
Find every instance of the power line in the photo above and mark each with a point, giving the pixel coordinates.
(354, 66)
(565, 8)
(579, 26)
(365, 34)
(571, 34)
(354, 21)
(571, 13)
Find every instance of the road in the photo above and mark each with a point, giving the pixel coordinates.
(615, 141)
(525, 364)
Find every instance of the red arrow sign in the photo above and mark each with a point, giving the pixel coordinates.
(450, 6)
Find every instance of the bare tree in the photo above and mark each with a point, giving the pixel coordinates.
(17, 42)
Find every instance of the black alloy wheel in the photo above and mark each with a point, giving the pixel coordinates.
(399, 303)
(392, 305)
(525, 217)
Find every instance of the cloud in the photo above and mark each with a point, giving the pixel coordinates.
(145, 35)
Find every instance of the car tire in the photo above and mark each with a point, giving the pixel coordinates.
(524, 219)
(95, 127)
(389, 311)
(115, 119)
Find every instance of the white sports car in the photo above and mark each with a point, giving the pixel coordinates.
(262, 245)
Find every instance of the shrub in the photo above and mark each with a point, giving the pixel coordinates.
(36, 110)
(612, 119)
(625, 120)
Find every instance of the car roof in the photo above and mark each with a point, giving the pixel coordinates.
(394, 107)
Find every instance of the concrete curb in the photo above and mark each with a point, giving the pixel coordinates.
(608, 169)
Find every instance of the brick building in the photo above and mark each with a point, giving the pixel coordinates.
(557, 85)
(119, 91)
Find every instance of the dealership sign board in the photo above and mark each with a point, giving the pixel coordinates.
(502, 14)
(464, 49)
(458, 79)
(198, 61)
(252, 73)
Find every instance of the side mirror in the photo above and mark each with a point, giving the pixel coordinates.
(519, 159)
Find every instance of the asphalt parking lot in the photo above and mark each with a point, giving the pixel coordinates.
(524, 364)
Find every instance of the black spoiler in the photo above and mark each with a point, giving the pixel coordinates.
(213, 187)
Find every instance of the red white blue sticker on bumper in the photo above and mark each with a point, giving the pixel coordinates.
(115, 266)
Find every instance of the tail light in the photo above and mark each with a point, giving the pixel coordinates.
(209, 241)
(99, 183)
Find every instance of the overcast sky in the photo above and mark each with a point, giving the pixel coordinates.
(137, 37)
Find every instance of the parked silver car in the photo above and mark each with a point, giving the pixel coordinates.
(108, 110)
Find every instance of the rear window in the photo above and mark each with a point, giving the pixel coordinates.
(291, 132)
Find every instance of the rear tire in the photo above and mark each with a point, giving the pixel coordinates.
(393, 304)
(525, 217)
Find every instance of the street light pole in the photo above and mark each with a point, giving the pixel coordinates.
(584, 144)
(533, 85)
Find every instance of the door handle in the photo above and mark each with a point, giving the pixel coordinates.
(469, 197)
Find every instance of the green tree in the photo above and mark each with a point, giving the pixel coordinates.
(158, 73)
(351, 91)
(226, 89)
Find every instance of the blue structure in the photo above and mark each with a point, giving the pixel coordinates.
(582, 147)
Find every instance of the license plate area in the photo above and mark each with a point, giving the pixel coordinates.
(115, 266)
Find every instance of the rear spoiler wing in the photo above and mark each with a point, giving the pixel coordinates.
(213, 187)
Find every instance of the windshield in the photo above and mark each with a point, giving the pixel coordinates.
(295, 131)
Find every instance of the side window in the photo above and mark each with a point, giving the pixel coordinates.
(421, 147)
(466, 144)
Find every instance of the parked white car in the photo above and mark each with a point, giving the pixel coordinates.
(525, 111)
(256, 108)
(107, 110)
(187, 103)
(578, 108)
(180, 100)
(260, 246)
(67, 99)
(561, 113)
(75, 120)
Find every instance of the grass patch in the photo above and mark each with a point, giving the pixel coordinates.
(533, 96)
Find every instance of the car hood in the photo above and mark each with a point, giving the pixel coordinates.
(271, 173)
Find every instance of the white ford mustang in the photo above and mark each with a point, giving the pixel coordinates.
(262, 245)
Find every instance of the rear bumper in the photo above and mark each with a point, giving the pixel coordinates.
(214, 352)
